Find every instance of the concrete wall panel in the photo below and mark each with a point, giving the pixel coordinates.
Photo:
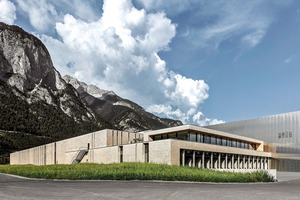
(106, 155)
(130, 153)
(160, 152)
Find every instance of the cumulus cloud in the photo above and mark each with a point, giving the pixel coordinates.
(7, 12)
(42, 14)
(85, 10)
(119, 51)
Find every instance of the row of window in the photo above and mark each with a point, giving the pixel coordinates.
(289, 150)
(203, 138)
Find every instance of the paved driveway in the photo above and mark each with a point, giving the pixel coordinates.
(19, 188)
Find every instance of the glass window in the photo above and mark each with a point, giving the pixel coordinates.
(165, 136)
(206, 139)
(233, 143)
(224, 142)
(242, 145)
(213, 140)
(219, 141)
(182, 136)
(229, 143)
(157, 137)
(172, 135)
(246, 145)
(199, 138)
(193, 137)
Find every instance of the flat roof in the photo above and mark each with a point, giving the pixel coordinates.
(189, 127)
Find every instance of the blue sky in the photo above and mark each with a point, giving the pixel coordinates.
(199, 61)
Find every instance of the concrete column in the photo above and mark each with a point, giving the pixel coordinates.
(194, 159)
(226, 161)
(183, 157)
(248, 163)
(238, 164)
(199, 163)
(219, 161)
(256, 162)
(203, 160)
(266, 163)
(232, 162)
(212, 160)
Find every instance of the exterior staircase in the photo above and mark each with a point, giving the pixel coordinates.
(79, 155)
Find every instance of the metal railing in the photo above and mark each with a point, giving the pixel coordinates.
(82, 151)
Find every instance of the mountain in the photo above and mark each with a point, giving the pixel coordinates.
(123, 113)
(38, 106)
(34, 98)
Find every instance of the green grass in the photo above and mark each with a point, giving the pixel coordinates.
(131, 171)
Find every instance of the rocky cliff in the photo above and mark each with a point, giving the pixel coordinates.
(123, 113)
(34, 99)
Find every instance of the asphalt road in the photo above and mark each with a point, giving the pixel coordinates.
(20, 189)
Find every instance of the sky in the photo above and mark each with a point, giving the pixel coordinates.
(200, 61)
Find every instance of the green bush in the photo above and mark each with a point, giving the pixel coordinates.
(132, 171)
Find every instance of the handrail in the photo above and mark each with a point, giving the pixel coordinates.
(75, 158)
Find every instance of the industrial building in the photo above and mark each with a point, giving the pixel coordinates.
(281, 131)
(185, 145)
(266, 143)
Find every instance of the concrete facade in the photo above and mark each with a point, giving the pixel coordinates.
(185, 145)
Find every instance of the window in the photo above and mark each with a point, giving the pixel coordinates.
(233, 143)
(157, 137)
(229, 143)
(193, 137)
(219, 141)
(206, 139)
(213, 140)
(182, 136)
(172, 135)
(199, 138)
(165, 136)
(242, 145)
(224, 142)
(247, 145)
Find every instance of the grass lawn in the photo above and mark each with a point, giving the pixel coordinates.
(131, 171)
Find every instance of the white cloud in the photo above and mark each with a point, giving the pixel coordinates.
(42, 14)
(237, 20)
(207, 121)
(217, 21)
(119, 51)
(7, 12)
(85, 10)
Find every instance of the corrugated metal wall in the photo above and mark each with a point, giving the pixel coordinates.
(282, 128)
